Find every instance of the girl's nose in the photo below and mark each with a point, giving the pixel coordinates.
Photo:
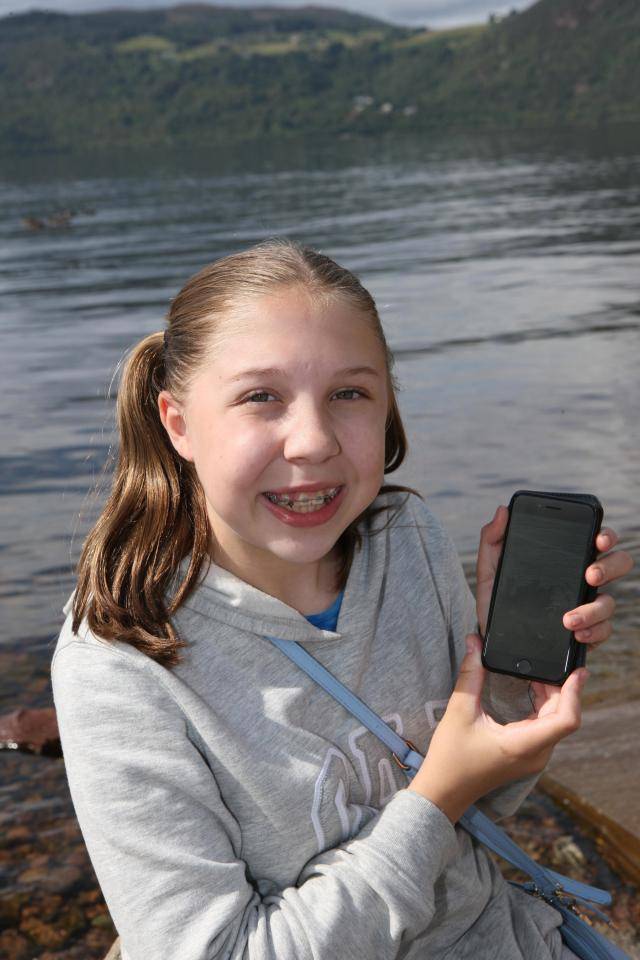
(310, 434)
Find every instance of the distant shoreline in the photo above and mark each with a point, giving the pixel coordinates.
(143, 77)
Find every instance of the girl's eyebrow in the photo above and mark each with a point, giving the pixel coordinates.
(258, 372)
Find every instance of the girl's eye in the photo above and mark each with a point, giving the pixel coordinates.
(265, 393)
(352, 390)
(260, 393)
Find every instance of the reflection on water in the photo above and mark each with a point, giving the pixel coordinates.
(505, 270)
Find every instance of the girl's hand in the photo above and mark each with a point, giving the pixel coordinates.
(595, 626)
(471, 754)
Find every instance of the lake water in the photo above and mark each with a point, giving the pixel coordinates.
(507, 274)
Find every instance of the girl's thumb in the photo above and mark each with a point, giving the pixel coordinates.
(470, 680)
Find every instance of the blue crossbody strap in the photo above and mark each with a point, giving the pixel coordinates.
(546, 883)
(349, 700)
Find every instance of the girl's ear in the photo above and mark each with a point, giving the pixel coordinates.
(174, 423)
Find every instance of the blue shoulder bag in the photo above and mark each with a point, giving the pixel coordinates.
(572, 899)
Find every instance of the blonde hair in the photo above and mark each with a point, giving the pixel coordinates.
(156, 513)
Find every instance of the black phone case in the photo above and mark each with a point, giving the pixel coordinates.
(587, 593)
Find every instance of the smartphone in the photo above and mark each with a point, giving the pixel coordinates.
(548, 545)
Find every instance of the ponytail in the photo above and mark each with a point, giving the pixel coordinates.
(155, 514)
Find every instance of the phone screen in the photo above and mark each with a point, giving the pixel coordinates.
(540, 579)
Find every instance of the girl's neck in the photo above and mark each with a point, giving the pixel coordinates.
(309, 588)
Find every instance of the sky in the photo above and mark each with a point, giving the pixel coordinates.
(413, 13)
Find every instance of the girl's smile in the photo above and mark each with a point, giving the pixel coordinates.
(308, 512)
(291, 407)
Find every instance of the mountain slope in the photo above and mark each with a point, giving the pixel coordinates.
(199, 72)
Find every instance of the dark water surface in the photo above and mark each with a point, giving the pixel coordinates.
(507, 275)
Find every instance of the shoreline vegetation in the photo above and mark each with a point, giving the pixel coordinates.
(192, 73)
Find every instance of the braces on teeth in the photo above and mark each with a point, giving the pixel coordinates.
(286, 501)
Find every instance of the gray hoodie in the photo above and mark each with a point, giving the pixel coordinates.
(232, 809)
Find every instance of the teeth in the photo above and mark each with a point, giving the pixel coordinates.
(303, 503)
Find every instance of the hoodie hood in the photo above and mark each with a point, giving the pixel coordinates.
(224, 597)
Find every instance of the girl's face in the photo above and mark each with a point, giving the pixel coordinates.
(250, 429)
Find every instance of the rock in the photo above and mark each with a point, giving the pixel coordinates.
(39, 860)
(13, 946)
(599, 763)
(49, 907)
(31, 731)
(566, 853)
(32, 875)
(44, 934)
(11, 903)
(19, 832)
(56, 880)
(62, 879)
(102, 920)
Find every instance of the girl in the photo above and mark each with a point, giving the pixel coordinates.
(232, 808)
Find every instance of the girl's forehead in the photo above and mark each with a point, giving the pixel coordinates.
(293, 306)
(288, 326)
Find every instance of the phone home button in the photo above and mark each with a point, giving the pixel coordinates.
(523, 666)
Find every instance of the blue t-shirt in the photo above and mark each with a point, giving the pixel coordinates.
(327, 619)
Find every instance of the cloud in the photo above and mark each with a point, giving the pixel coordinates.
(438, 13)
(435, 13)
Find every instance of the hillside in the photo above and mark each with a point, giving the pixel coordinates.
(211, 72)
(559, 61)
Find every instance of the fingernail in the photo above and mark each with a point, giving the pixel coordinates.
(471, 644)
(597, 574)
(574, 621)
